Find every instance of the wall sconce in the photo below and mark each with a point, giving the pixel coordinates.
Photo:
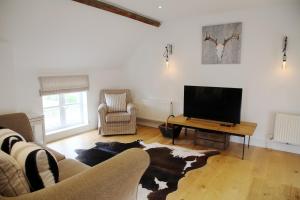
(168, 52)
(285, 39)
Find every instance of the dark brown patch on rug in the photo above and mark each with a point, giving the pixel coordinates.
(168, 164)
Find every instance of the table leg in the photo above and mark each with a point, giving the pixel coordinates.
(248, 141)
(173, 138)
(244, 147)
(225, 136)
(185, 131)
(195, 136)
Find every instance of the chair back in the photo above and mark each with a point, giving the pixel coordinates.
(115, 91)
(19, 123)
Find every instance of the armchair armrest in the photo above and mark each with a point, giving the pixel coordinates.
(102, 108)
(131, 108)
(114, 179)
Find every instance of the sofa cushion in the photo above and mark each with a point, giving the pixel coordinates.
(8, 138)
(69, 167)
(38, 164)
(12, 179)
(116, 102)
(118, 117)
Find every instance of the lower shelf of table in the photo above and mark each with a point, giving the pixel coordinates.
(212, 139)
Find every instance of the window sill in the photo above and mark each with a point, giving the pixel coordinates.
(66, 129)
(66, 132)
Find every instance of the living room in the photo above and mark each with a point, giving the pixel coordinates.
(154, 51)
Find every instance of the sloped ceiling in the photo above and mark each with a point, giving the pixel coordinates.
(172, 9)
(65, 34)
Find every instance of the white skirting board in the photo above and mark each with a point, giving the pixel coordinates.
(148, 122)
(269, 144)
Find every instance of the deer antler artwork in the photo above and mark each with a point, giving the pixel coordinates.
(210, 38)
(220, 47)
(221, 44)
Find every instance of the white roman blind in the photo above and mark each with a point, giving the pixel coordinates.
(63, 84)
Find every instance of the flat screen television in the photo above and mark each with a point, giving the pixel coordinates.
(213, 103)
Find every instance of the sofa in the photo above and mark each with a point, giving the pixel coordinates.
(116, 123)
(114, 179)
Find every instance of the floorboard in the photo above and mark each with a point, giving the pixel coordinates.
(264, 174)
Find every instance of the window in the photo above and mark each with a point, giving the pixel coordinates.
(63, 111)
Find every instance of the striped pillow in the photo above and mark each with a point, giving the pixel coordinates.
(38, 164)
(116, 102)
(12, 179)
(8, 138)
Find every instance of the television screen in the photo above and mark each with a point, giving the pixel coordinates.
(213, 103)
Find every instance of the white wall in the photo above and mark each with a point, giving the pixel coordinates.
(58, 37)
(7, 77)
(267, 89)
(61, 37)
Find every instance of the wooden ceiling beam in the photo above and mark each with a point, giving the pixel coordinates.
(119, 11)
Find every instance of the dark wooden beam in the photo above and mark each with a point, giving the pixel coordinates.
(119, 11)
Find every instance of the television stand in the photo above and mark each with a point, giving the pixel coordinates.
(221, 123)
(243, 129)
(227, 124)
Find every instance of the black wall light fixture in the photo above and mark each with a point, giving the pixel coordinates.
(284, 50)
(167, 53)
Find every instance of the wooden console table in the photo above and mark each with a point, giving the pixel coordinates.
(243, 129)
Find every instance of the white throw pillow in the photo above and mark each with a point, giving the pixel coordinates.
(8, 138)
(12, 179)
(38, 164)
(116, 102)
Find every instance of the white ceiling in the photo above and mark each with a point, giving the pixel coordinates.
(172, 9)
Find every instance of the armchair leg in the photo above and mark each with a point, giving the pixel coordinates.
(100, 131)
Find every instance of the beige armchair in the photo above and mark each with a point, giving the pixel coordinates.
(116, 123)
(114, 179)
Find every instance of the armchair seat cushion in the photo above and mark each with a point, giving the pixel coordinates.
(118, 117)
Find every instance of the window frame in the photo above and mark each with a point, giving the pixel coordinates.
(62, 105)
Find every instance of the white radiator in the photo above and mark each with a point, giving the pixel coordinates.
(287, 128)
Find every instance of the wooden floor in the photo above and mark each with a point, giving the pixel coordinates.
(264, 174)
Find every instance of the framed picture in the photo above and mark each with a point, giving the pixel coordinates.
(221, 44)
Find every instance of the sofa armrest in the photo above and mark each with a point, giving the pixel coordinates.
(56, 154)
(131, 108)
(114, 179)
(18, 122)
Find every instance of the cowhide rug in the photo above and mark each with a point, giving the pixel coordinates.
(168, 164)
